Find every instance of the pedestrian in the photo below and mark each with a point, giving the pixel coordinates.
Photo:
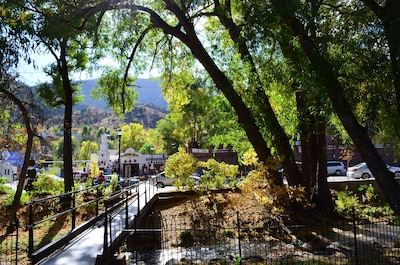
(101, 178)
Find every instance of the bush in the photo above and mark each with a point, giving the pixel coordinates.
(47, 185)
(3, 188)
(346, 201)
(186, 239)
(8, 201)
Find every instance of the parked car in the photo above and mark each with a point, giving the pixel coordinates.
(129, 182)
(362, 171)
(335, 168)
(196, 176)
(352, 170)
(161, 180)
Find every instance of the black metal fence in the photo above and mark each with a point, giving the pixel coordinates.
(253, 240)
(61, 221)
(9, 246)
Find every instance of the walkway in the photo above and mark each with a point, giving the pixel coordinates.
(84, 249)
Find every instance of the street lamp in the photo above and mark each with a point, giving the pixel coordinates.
(119, 154)
(151, 162)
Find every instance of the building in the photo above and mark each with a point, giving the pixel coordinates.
(132, 164)
(227, 155)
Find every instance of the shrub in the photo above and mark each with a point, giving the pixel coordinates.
(47, 185)
(369, 192)
(186, 239)
(346, 201)
(3, 180)
(8, 201)
(4, 189)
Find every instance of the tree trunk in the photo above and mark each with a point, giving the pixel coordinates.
(17, 197)
(323, 196)
(313, 146)
(67, 167)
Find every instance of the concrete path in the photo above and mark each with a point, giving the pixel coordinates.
(84, 249)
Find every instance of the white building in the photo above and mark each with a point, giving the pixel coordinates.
(7, 170)
(132, 162)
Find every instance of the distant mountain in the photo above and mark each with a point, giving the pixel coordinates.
(149, 94)
(149, 108)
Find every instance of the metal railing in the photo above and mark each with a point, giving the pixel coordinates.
(9, 245)
(250, 239)
(116, 222)
(90, 202)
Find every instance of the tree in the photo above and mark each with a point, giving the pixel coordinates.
(180, 165)
(87, 133)
(87, 148)
(52, 25)
(187, 35)
(7, 87)
(329, 79)
(388, 14)
(133, 136)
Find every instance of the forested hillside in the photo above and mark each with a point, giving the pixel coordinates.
(150, 108)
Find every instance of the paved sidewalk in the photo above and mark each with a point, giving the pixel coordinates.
(84, 249)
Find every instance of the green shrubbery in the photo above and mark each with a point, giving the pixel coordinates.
(3, 188)
(365, 205)
(9, 199)
(46, 185)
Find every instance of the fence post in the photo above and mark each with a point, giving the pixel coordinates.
(16, 240)
(97, 200)
(30, 228)
(126, 210)
(138, 202)
(73, 211)
(355, 235)
(238, 228)
(145, 192)
(105, 242)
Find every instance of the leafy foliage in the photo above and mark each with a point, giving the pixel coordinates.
(7, 202)
(117, 91)
(347, 203)
(133, 136)
(215, 174)
(3, 188)
(180, 165)
(87, 148)
(46, 185)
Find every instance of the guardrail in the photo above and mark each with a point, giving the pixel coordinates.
(116, 222)
(90, 202)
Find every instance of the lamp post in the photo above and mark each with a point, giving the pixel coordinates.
(151, 161)
(119, 154)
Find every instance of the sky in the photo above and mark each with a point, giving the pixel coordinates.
(33, 76)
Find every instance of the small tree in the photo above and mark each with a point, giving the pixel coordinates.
(180, 165)
(94, 170)
(216, 173)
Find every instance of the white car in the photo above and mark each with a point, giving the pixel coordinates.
(335, 168)
(160, 180)
(362, 171)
